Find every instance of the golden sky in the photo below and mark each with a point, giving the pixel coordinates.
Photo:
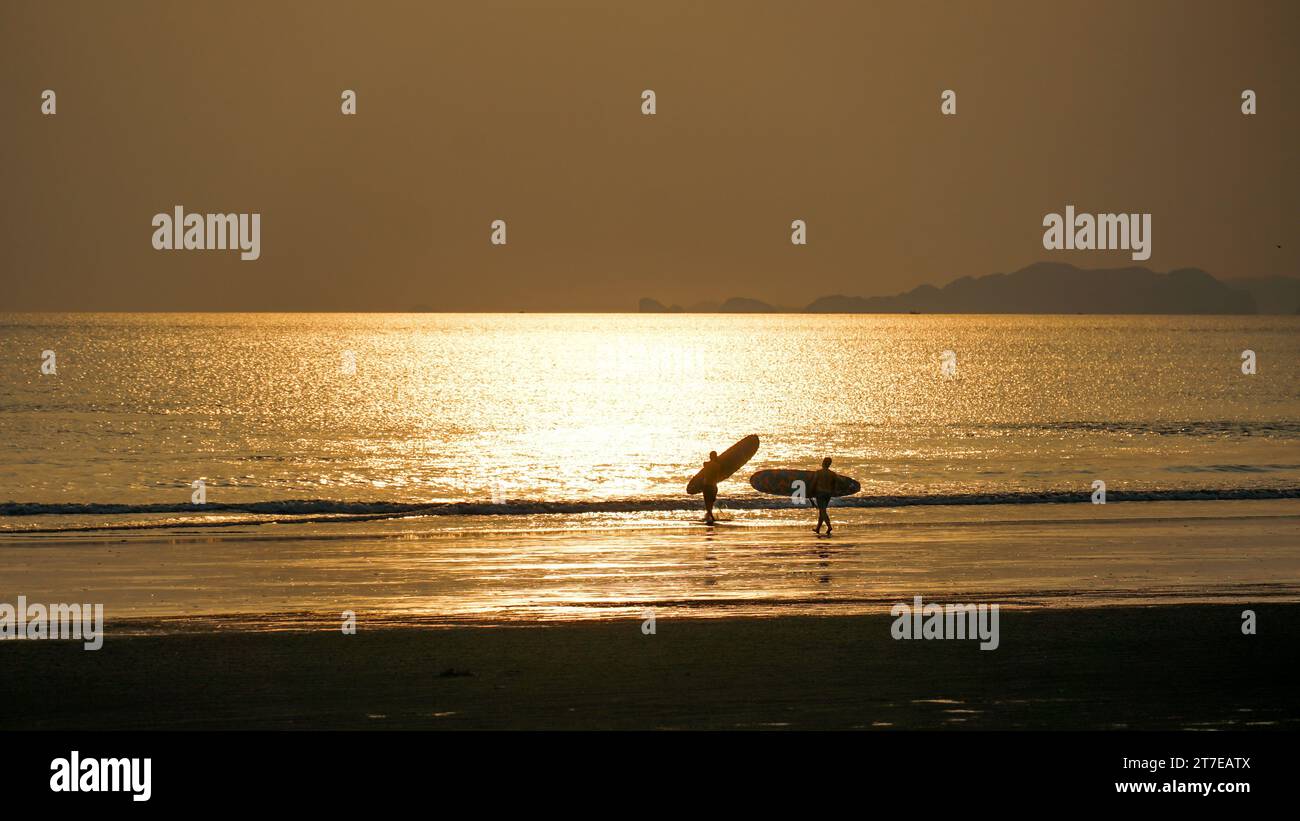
(530, 112)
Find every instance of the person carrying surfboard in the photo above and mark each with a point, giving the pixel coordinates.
(710, 472)
(719, 468)
(823, 485)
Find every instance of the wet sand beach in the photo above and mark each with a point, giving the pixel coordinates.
(522, 570)
(1179, 666)
(1115, 616)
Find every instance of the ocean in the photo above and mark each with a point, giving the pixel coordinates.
(291, 415)
(505, 467)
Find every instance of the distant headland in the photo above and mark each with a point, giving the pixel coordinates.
(1050, 288)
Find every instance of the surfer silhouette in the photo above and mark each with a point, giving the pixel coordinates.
(719, 468)
(710, 485)
(823, 485)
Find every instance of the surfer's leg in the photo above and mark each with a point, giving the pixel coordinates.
(822, 514)
(710, 496)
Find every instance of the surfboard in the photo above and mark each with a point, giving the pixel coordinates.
(781, 482)
(729, 461)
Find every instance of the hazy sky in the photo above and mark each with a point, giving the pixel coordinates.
(767, 112)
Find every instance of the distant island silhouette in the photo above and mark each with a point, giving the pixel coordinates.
(1050, 288)
(735, 305)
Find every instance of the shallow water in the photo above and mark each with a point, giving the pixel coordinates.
(512, 569)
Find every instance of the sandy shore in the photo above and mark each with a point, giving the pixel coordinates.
(1178, 666)
(1115, 616)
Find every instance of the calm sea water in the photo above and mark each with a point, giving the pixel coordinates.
(592, 412)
